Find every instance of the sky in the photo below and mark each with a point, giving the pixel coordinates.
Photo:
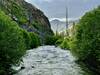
(56, 9)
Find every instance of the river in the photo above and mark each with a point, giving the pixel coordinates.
(49, 60)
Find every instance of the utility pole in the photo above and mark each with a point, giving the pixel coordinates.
(66, 20)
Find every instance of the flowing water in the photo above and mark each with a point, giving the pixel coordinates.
(49, 60)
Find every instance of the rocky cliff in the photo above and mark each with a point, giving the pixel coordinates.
(27, 16)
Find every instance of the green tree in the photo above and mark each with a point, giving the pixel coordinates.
(35, 40)
(12, 43)
(86, 41)
(27, 38)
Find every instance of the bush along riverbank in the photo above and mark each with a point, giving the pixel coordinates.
(84, 41)
(14, 42)
(22, 27)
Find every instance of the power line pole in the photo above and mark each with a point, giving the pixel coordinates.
(66, 18)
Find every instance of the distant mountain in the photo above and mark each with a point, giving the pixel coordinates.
(60, 26)
(56, 21)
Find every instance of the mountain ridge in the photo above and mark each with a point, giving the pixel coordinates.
(27, 16)
(60, 26)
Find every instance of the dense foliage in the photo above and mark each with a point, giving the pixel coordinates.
(87, 36)
(13, 43)
(65, 43)
(32, 40)
(85, 40)
(21, 28)
(35, 40)
(53, 40)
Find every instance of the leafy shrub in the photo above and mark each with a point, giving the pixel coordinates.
(12, 43)
(86, 41)
(65, 44)
(18, 12)
(35, 40)
(22, 20)
(37, 25)
(59, 41)
(52, 40)
(27, 38)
